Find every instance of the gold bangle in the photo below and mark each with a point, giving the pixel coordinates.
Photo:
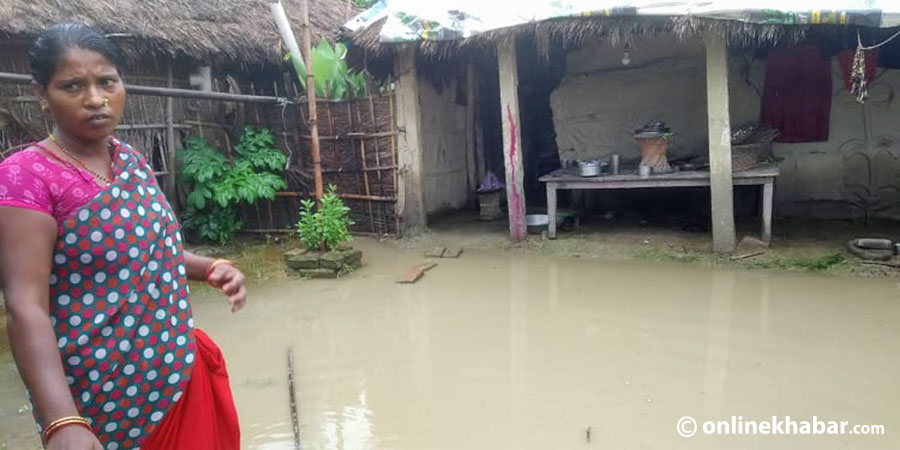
(215, 264)
(63, 422)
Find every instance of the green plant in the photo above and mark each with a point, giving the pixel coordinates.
(215, 224)
(219, 185)
(333, 79)
(808, 263)
(329, 226)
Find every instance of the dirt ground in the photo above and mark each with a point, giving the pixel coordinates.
(797, 246)
(806, 246)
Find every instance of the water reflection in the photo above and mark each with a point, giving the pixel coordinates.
(512, 352)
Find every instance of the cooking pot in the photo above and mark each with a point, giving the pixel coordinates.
(590, 168)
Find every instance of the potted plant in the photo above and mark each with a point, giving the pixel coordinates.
(324, 234)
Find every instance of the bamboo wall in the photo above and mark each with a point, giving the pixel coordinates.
(358, 136)
(358, 147)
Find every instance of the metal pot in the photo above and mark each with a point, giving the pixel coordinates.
(591, 168)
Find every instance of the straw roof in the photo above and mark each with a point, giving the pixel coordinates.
(240, 30)
(573, 32)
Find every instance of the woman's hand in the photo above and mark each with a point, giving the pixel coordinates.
(73, 438)
(231, 281)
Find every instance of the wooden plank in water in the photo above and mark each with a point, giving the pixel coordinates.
(452, 252)
(435, 252)
(413, 275)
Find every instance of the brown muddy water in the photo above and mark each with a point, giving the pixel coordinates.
(501, 351)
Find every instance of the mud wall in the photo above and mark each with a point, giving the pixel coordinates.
(443, 124)
(601, 102)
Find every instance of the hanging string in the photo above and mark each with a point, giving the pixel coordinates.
(859, 40)
(858, 73)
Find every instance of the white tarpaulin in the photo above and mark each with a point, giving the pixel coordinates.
(414, 20)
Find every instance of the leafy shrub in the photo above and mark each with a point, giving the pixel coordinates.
(333, 79)
(326, 228)
(219, 185)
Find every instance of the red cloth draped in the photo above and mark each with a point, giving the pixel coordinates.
(845, 60)
(797, 97)
(205, 417)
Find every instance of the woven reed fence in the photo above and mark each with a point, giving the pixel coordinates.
(358, 140)
(358, 147)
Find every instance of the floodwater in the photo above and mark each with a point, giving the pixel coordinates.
(503, 351)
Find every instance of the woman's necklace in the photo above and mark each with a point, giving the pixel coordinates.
(106, 180)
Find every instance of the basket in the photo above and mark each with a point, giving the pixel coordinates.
(748, 156)
(489, 205)
(653, 152)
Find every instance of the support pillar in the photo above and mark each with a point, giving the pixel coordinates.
(721, 184)
(512, 137)
(410, 192)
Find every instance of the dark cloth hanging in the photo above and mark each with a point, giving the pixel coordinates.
(797, 96)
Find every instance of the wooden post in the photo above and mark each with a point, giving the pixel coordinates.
(768, 191)
(471, 164)
(410, 198)
(171, 165)
(721, 187)
(512, 137)
(311, 99)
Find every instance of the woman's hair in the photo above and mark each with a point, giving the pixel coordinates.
(53, 42)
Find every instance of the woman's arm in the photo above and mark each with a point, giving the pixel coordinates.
(27, 239)
(196, 266)
(224, 276)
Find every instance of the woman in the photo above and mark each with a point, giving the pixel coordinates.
(95, 276)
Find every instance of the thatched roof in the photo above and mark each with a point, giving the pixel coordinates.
(202, 29)
(573, 32)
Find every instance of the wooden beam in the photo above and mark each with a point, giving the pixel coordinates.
(512, 137)
(721, 187)
(411, 200)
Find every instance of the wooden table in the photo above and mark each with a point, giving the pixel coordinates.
(764, 176)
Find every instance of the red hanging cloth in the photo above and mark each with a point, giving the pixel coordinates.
(797, 96)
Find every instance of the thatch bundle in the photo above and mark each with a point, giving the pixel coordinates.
(202, 29)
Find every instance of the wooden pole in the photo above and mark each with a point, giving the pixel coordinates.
(171, 193)
(512, 137)
(721, 187)
(311, 99)
(292, 396)
(290, 41)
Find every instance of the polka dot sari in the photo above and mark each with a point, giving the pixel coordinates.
(119, 305)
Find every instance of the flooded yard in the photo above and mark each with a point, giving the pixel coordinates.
(512, 351)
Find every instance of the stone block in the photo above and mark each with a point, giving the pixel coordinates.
(317, 273)
(301, 259)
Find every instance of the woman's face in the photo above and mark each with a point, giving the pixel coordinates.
(85, 96)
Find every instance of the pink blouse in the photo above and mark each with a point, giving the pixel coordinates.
(32, 180)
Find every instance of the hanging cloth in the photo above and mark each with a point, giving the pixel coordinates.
(797, 96)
